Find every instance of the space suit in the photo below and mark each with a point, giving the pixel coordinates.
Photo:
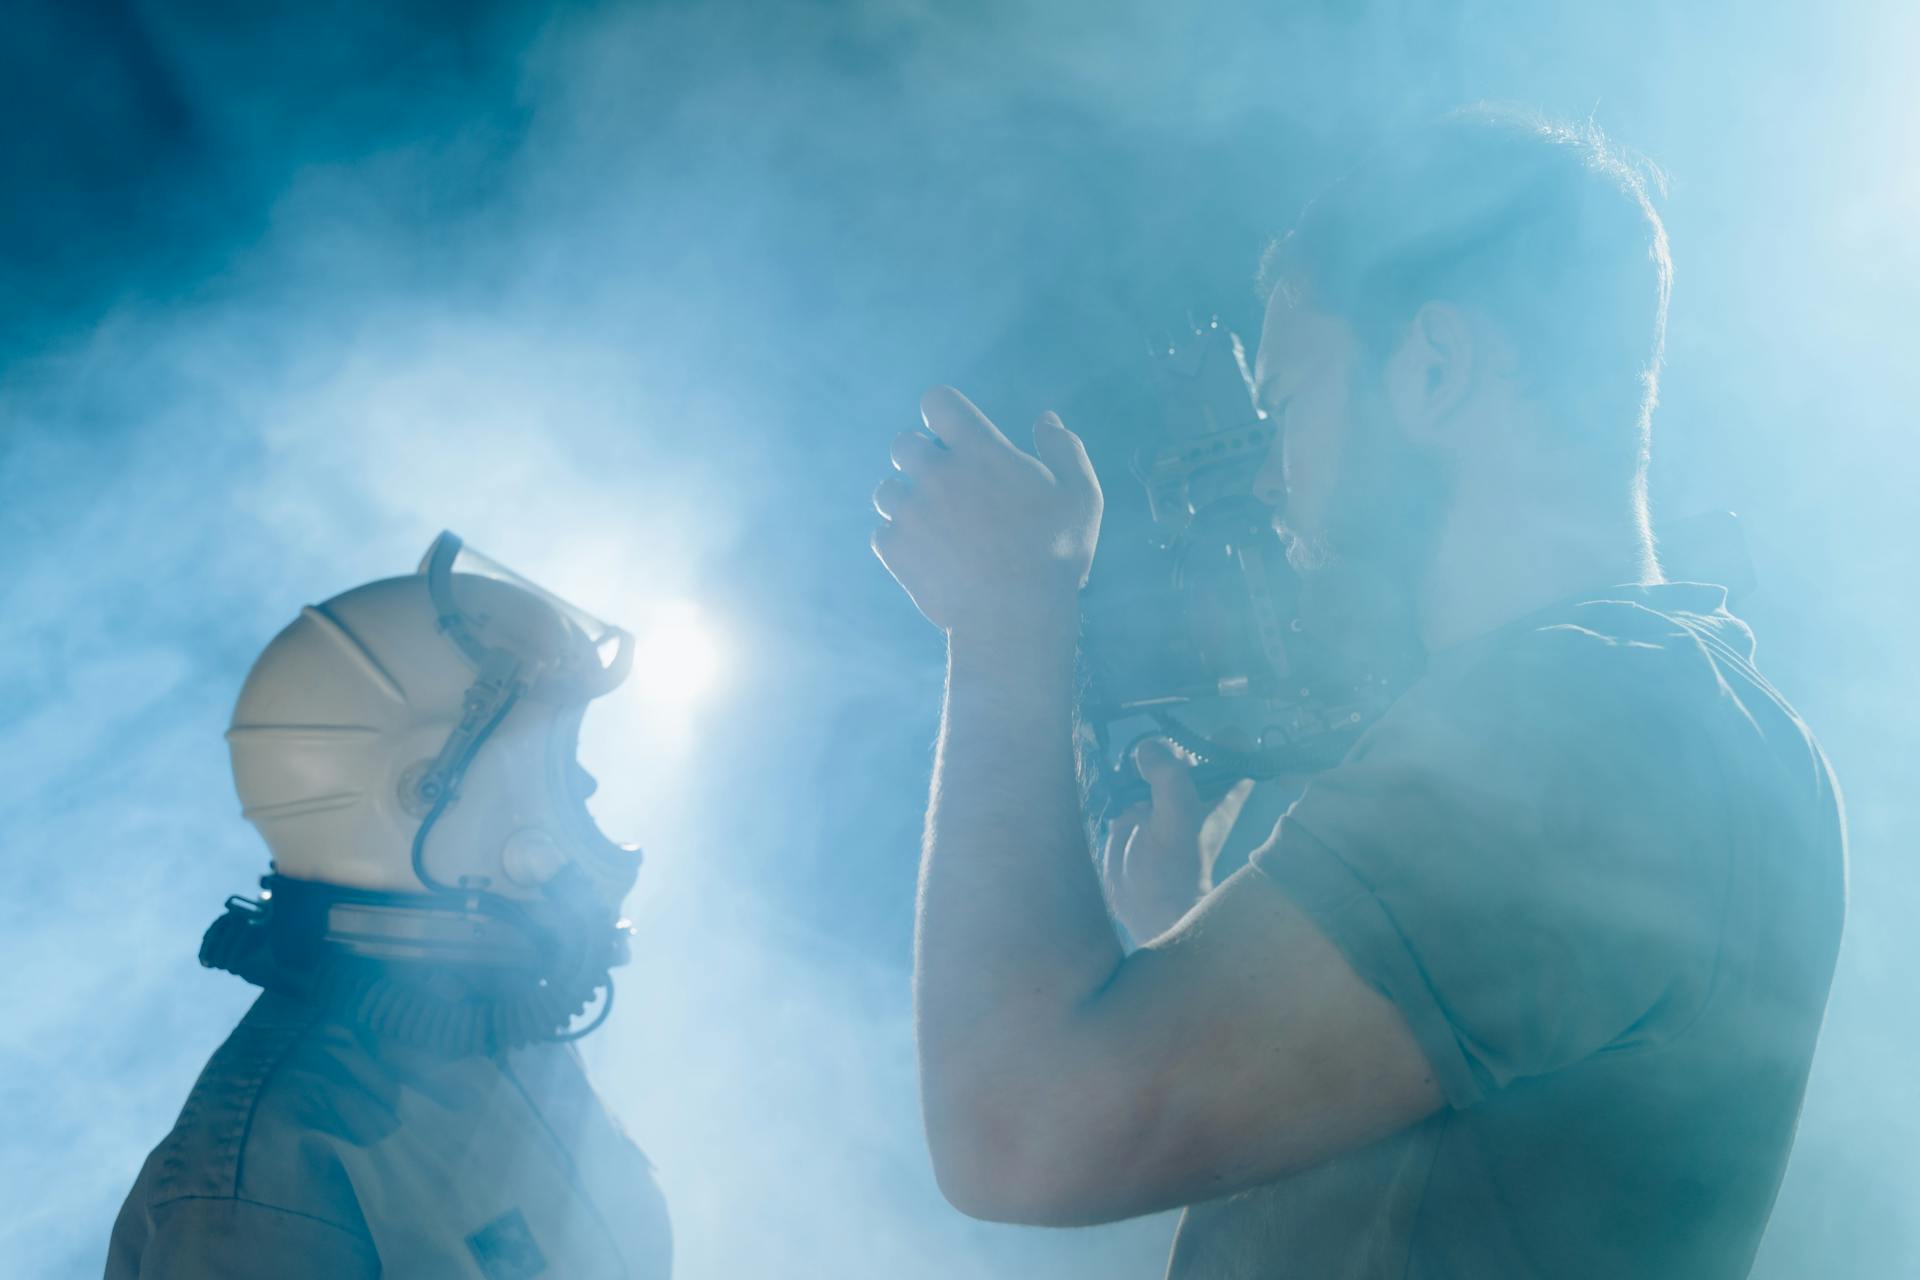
(403, 1098)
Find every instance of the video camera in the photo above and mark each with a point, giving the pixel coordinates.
(1220, 646)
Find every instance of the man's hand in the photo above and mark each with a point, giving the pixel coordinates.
(975, 529)
(1159, 855)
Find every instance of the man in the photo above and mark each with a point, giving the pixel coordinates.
(1528, 985)
(401, 1100)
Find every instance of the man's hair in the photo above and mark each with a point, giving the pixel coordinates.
(1546, 227)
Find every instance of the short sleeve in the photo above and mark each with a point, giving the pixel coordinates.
(1525, 855)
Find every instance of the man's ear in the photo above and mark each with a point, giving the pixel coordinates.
(1430, 372)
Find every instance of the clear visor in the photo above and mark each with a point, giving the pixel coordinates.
(586, 670)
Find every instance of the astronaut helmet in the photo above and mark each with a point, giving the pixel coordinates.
(419, 735)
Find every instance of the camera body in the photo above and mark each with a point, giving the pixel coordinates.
(1220, 646)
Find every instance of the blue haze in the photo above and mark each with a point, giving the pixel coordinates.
(633, 297)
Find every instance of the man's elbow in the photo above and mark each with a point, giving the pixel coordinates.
(1000, 1190)
(967, 1181)
(1030, 1166)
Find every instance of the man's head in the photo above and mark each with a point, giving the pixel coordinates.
(1479, 308)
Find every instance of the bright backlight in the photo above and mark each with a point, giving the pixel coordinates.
(677, 657)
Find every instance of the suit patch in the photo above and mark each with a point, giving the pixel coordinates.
(505, 1248)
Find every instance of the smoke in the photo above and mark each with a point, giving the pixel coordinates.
(633, 297)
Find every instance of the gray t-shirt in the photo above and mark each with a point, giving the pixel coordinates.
(1599, 866)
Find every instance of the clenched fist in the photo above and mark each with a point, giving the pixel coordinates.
(977, 530)
(1159, 856)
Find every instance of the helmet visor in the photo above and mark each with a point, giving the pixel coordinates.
(596, 663)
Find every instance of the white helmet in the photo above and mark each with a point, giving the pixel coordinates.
(445, 703)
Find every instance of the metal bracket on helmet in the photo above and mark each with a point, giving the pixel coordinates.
(488, 700)
(503, 677)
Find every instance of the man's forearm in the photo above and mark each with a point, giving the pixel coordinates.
(1013, 931)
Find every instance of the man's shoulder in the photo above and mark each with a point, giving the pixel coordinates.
(1646, 699)
(1637, 640)
(1670, 659)
(1676, 659)
(1648, 705)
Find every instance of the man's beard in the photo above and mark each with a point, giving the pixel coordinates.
(1360, 571)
